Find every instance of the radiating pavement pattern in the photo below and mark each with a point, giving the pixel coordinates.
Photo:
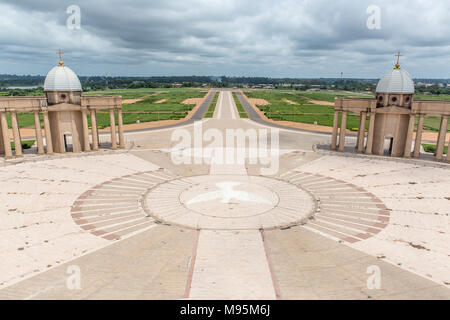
(114, 209)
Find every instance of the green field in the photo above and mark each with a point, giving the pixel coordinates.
(240, 108)
(307, 112)
(432, 148)
(432, 123)
(210, 112)
(304, 111)
(128, 93)
(330, 96)
(148, 110)
(431, 97)
(26, 144)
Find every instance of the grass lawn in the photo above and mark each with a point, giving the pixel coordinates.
(432, 148)
(127, 93)
(240, 108)
(25, 119)
(329, 96)
(431, 97)
(303, 111)
(210, 112)
(148, 110)
(26, 144)
(432, 123)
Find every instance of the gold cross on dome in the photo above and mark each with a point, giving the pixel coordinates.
(398, 55)
(60, 53)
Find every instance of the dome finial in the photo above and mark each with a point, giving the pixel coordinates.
(60, 53)
(398, 55)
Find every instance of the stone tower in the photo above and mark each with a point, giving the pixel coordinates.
(394, 96)
(63, 92)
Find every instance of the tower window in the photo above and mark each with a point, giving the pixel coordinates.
(394, 99)
(63, 96)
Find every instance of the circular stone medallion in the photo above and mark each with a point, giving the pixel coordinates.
(229, 202)
(229, 198)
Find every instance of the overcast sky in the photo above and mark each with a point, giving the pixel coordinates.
(287, 38)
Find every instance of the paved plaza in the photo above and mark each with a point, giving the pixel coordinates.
(167, 220)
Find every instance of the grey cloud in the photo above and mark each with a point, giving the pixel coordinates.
(236, 37)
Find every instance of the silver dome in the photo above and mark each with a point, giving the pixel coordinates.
(396, 81)
(62, 78)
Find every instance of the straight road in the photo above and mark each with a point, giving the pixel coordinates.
(226, 108)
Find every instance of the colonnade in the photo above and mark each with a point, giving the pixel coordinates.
(7, 150)
(364, 145)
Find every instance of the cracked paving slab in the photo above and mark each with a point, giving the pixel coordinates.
(417, 237)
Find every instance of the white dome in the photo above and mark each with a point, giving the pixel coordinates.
(396, 81)
(62, 78)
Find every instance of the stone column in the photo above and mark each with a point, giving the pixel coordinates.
(48, 133)
(441, 139)
(335, 130)
(361, 132)
(371, 133)
(2, 147)
(120, 125)
(342, 131)
(94, 130)
(87, 144)
(409, 136)
(112, 125)
(37, 126)
(448, 152)
(16, 134)
(418, 142)
(5, 135)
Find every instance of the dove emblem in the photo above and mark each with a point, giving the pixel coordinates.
(227, 193)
